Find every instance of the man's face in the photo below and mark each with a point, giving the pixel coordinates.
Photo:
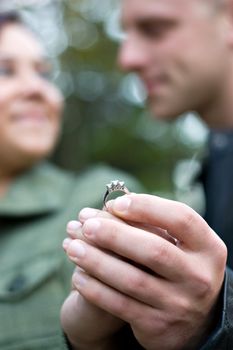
(30, 106)
(179, 49)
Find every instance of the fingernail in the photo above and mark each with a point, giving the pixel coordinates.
(66, 243)
(121, 204)
(87, 213)
(90, 227)
(76, 249)
(73, 226)
(80, 279)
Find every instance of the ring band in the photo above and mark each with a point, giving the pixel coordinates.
(114, 186)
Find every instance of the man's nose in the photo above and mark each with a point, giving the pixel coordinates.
(132, 56)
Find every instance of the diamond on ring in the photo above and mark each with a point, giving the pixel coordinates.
(114, 186)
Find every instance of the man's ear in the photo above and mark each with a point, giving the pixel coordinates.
(227, 13)
(225, 9)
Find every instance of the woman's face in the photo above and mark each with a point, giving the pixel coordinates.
(30, 105)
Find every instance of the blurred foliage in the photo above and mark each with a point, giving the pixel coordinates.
(105, 118)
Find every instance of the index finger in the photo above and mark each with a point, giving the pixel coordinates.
(181, 221)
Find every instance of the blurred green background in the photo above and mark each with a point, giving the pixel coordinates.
(105, 118)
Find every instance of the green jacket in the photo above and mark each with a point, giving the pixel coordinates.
(35, 274)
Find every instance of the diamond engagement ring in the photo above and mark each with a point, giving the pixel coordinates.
(114, 186)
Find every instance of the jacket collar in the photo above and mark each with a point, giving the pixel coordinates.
(38, 191)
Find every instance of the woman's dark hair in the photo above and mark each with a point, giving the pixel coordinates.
(9, 18)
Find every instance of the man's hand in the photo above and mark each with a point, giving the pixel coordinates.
(166, 292)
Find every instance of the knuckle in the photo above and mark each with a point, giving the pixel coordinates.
(203, 286)
(95, 267)
(124, 310)
(136, 283)
(112, 229)
(94, 295)
(131, 311)
(185, 217)
(184, 308)
(107, 233)
(153, 323)
(221, 251)
(158, 255)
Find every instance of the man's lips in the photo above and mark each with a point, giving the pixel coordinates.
(149, 85)
(153, 85)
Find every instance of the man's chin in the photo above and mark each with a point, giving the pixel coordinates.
(163, 115)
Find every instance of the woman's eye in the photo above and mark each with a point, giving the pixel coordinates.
(47, 74)
(45, 70)
(6, 71)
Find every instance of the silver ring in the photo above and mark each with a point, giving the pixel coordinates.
(114, 186)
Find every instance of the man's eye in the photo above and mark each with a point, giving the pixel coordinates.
(155, 29)
(6, 71)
